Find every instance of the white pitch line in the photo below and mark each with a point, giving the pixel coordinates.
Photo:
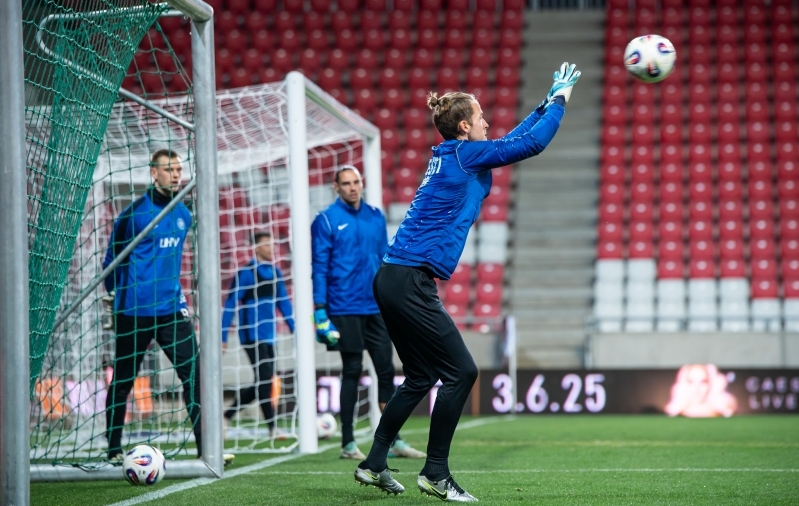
(198, 482)
(601, 470)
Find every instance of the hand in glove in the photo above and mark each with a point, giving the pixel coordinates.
(326, 332)
(565, 79)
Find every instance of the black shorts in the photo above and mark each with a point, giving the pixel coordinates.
(360, 332)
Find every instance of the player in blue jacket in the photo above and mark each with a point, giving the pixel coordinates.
(257, 289)
(348, 241)
(428, 245)
(147, 298)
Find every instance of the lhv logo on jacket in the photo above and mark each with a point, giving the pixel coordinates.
(169, 242)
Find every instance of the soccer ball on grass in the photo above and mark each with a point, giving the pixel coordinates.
(650, 58)
(326, 425)
(144, 465)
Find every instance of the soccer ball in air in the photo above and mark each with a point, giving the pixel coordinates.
(650, 58)
(326, 425)
(144, 465)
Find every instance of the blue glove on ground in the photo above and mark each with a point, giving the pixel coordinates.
(326, 332)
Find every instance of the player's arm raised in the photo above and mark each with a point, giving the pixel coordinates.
(532, 136)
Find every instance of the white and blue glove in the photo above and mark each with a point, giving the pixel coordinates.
(565, 79)
(326, 332)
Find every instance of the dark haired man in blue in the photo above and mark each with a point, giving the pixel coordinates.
(428, 244)
(148, 301)
(258, 289)
(348, 240)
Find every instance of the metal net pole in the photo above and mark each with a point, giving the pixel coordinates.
(14, 344)
(209, 279)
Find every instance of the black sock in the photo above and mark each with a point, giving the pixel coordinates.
(435, 468)
(376, 460)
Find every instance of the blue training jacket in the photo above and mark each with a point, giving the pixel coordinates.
(457, 180)
(147, 282)
(347, 248)
(257, 289)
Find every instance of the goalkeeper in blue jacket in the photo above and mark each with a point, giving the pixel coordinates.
(348, 240)
(258, 289)
(148, 303)
(428, 245)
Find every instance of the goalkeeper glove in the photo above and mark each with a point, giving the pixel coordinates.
(108, 307)
(326, 332)
(565, 79)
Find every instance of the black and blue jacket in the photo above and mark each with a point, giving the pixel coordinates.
(458, 179)
(147, 282)
(347, 248)
(257, 288)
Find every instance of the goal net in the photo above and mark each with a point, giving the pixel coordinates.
(74, 359)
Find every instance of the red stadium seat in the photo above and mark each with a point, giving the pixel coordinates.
(613, 135)
(701, 269)
(701, 250)
(699, 133)
(730, 210)
(670, 211)
(612, 154)
(671, 133)
(700, 190)
(762, 248)
(730, 190)
(456, 293)
(760, 170)
(700, 230)
(732, 249)
(641, 211)
(670, 231)
(789, 249)
(643, 173)
(760, 189)
(389, 140)
(671, 191)
(789, 229)
(700, 210)
(672, 154)
(642, 154)
(733, 268)
(612, 212)
(731, 229)
(448, 79)
(489, 293)
(761, 229)
(462, 274)
(790, 270)
(609, 250)
(729, 133)
(640, 249)
(490, 273)
(670, 172)
(761, 210)
(730, 170)
(729, 112)
(495, 213)
(641, 231)
(764, 268)
(699, 153)
(670, 269)
(487, 311)
(406, 177)
(502, 176)
(642, 192)
(458, 313)
(507, 76)
(610, 232)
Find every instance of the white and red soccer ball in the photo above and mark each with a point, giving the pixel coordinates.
(326, 425)
(650, 58)
(144, 465)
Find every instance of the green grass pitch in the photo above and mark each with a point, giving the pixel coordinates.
(573, 460)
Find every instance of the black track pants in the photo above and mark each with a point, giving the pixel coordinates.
(175, 336)
(431, 348)
(262, 358)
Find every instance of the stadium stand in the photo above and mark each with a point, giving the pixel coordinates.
(698, 190)
(382, 62)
